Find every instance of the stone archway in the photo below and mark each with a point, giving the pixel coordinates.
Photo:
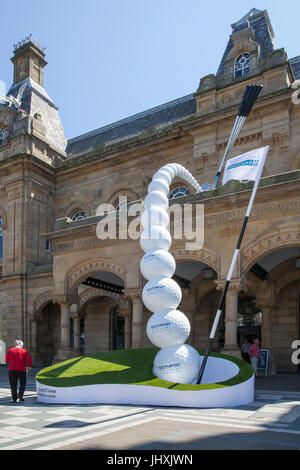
(262, 245)
(41, 301)
(92, 293)
(45, 329)
(204, 255)
(80, 272)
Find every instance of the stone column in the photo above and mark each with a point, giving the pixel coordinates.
(65, 352)
(74, 313)
(137, 317)
(76, 333)
(34, 334)
(231, 347)
(125, 311)
(34, 341)
(65, 325)
(266, 305)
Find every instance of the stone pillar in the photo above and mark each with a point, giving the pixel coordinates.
(34, 341)
(34, 334)
(65, 325)
(76, 333)
(137, 317)
(266, 305)
(74, 313)
(125, 311)
(65, 352)
(231, 347)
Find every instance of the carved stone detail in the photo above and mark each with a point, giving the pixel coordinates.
(93, 293)
(256, 249)
(94, 266)
(205, 256)
(42, 300)
(259, 211)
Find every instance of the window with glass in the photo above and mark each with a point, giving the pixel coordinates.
(242, 65)
(79, 215)
(180, 191)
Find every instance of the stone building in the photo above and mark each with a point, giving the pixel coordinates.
(65, 292)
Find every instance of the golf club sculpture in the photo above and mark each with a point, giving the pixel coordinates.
(168, 328)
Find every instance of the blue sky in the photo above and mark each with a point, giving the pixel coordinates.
(109, 59)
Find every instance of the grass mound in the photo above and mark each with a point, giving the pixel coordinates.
(126, 366)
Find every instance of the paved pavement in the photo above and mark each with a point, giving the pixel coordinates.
(271, 422)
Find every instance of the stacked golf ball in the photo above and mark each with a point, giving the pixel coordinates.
(168, 328)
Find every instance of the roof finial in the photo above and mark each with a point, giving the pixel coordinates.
(27, 40)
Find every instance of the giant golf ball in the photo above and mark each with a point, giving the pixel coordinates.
(168, 328)
(164, 174)
(155, 238)
(179, 364)
(161, 293)
(159, 184)
(155, 215)
(157, 263)
(156, 198)
(170, 168)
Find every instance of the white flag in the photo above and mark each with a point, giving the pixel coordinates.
(246, 167)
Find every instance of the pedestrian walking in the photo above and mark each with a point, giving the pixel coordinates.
(254, 355)
(19, 364)
(245, 350)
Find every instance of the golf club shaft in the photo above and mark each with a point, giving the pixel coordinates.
(237, 127)
(228, 280)
(249, 98)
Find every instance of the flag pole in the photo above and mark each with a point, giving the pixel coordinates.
(230, 272)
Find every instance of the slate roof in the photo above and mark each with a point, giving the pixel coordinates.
(252, 12)
(295, 63)
(133, 126)
(36, 100)
(259, 21)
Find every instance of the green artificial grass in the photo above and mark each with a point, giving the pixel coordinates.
(126, 366)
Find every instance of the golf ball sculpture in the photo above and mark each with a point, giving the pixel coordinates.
(167, 328)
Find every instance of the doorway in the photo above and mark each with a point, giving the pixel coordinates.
(117, 329)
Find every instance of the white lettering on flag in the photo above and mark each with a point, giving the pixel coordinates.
(246, 167)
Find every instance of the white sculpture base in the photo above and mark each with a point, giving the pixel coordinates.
(217, 370)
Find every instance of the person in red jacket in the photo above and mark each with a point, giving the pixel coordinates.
(19, 364)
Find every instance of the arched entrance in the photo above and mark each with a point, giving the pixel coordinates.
(48, 333)
(102, 327)
(274, 280)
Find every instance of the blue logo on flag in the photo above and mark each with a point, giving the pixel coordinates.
(244, 163)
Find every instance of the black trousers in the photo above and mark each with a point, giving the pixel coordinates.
(246, 357)
(14, 376)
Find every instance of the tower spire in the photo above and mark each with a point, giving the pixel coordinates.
(28, 60)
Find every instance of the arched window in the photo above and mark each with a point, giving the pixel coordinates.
(242, 65)
(1, 238)
(79, 215)
(180, 191)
